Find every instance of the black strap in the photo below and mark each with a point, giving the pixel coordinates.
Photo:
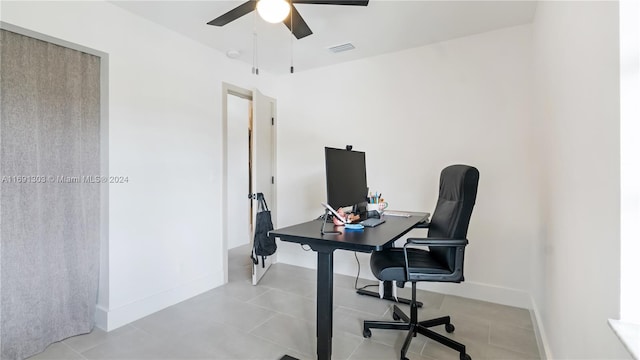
(254, 258)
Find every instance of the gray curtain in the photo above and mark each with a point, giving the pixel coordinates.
(49, 207)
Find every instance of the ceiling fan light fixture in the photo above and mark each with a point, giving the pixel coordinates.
(273, 11)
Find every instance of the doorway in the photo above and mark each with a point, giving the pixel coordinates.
(249, 168)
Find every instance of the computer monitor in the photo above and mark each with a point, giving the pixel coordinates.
(346, 172)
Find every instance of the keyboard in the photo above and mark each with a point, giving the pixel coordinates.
(371, 222)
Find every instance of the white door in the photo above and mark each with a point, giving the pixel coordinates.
(263, 165)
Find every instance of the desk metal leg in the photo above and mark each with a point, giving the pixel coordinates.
(324, 320)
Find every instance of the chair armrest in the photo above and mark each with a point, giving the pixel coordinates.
(437, 241)
(460, 244)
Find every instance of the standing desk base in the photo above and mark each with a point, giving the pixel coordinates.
(324, 306)
(387, 294)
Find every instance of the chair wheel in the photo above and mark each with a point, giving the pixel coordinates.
(366, 333)
(395, 317)
(450, 328)
(465, 357)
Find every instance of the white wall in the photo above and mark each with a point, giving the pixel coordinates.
(165, 241)
(577, 259)
(630, 167)
(414, 112)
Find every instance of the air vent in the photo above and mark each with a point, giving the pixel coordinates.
(341, 48)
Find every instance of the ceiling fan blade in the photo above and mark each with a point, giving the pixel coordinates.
(333, 2)
(300, 27)
(236, 13)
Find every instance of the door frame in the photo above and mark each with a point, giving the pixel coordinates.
(230, 89)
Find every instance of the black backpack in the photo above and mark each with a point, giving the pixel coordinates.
(263, 245)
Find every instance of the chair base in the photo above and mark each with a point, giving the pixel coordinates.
(416, 327)
(386, 296)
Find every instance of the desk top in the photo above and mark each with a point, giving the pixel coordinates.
(368, 240)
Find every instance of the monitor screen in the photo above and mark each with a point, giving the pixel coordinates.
(346, 172)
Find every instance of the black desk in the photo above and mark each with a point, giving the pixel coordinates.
(369, 240)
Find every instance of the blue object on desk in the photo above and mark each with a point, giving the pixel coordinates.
(353, 227)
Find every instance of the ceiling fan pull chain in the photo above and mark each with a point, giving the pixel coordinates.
(255, 69)
(291, 38)
(255, 54)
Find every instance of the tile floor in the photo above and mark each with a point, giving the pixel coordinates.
(241, 321)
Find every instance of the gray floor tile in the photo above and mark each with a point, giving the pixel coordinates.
(287, 303)
(136, 344)
(435, 350)
(96, 337)
(289, 332)
(58, 351)
(502, 314)
(175, 321)
(396, 338)
(348, 298)
(370, 349)
(513, 338)
(467, 328)
(242, 290)
(508, 315)
(277, 317)
(496, 353)
(349, 320)
(237, 314)
(222, 342)
(295, 281)
(293, 272)
(344, 345)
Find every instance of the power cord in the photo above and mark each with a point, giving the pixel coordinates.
(358, 275)
(355, 254)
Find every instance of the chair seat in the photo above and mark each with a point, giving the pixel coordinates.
(389, 264)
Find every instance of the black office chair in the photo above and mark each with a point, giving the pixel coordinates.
(442, 262)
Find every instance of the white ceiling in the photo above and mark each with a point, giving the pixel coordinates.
(381, 27)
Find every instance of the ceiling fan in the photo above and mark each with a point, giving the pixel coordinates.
(298, 27)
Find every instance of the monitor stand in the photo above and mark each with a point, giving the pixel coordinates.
(360, 209)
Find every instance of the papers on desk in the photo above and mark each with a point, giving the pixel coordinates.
(396, 213)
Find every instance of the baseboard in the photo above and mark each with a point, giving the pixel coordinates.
(111, 319)
(480, 291)
(541, 335)
(101, 317)
(468, 289)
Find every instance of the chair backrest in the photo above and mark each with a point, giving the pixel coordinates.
(458, 188)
